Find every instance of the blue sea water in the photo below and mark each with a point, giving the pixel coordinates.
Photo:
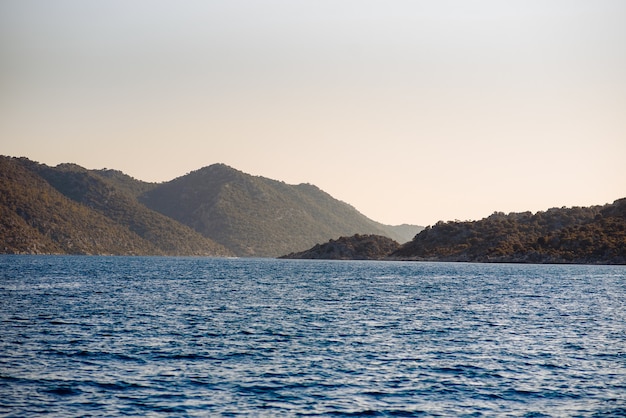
(150, 336)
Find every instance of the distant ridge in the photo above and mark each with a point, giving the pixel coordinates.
(405, 232)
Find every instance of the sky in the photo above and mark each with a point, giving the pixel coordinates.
(411, 111)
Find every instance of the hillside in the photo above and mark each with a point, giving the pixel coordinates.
(68, 209)
(216, 210)
(356, 247)
(256, 216)
(566, 235)
(37, 219)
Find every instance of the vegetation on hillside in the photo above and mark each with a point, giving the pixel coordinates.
(356, 247)
(90, 190)
(68, 209)
(256, 216)
(218, 210)
(566, 235)
(38, 219)
(247, 215)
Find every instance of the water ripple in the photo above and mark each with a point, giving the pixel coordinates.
(111, 336)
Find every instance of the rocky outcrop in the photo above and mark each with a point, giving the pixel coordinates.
(579, 235)
(356, 247)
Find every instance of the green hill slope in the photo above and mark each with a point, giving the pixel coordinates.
(107, 214)
(216, 210)
(38, 219)
(256, 216)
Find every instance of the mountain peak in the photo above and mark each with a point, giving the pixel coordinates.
(257, 216)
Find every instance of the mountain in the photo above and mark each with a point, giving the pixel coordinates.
(215, 211)
(220, 211)
(403, 233)
(560, 235)
(356, 247)
(70, 210)
(38, 219)
(257, 216)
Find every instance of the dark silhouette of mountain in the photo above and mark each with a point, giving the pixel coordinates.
(356, 247)
(256, 216)
(591, 235)
(68, 209)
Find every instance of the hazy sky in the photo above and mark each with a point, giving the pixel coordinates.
(411, 111)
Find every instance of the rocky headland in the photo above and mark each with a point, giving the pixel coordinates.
(356, 247)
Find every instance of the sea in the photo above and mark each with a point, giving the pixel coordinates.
(86, 336)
